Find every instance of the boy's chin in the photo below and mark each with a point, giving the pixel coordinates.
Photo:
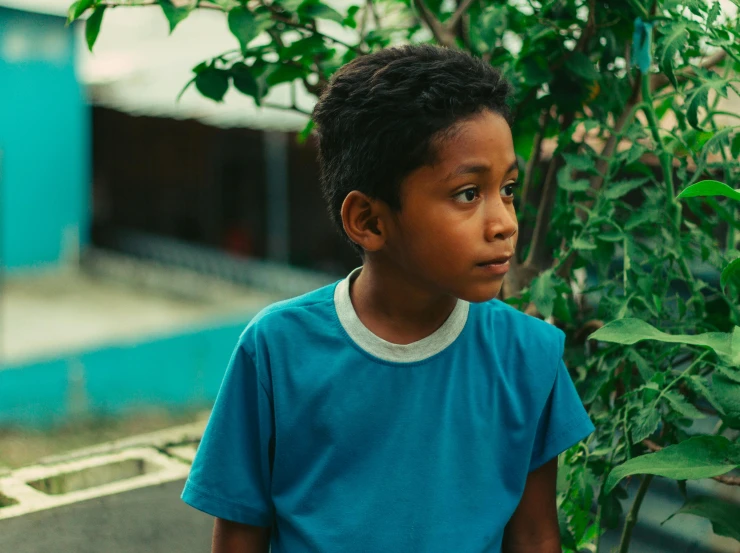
(480, 294)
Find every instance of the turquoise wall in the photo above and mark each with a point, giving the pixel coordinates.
(181, 371)
(44, 143)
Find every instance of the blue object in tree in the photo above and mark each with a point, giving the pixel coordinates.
(642, 41)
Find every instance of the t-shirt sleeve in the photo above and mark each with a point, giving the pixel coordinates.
(230, 476)
(563, 422)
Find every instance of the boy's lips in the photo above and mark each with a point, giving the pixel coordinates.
(497, 265)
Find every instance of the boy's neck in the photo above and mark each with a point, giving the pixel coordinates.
(396, 307)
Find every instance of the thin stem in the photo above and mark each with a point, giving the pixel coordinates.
(673, 207)
(286, 108)
(640, 9)
(685, 373)
(665, 158)
(631, 520)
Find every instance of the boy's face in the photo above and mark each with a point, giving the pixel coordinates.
(457, 226)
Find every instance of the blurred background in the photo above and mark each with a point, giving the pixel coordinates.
(138, 233)
(142, 226)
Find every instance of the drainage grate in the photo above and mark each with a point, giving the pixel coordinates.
(6, 501)
(93, 476)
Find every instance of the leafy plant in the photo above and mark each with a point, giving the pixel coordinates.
(617, 105)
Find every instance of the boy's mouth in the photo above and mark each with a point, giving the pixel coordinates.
(498, 265)
(503, 260)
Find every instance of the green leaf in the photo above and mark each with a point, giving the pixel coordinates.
(646, 422)
(727, 394)
(306, 132)
(673, 42)
(71, 12)
(285, 74)
(634, 154)
(718, 139)
(92, 26)
(246, 26)
(630, 331)
(245, 82)
(643, 367)
(710, 188)
(713, 14)
(641, 217)
(567, 183)
(582, 244)
(212, 83)
(174, 14)
(699, 385)
(730, 272)
(618, 189)
(78, 8)
(729, 373)
(320, 11)
(724, 516)
(304, 48)
(611, 236)
(291, 5)
(543, 293)
(698, 96)
(579, 163)
(594, 385)
(579, 64)
(695, 458)
(735, 146)
(683, 407)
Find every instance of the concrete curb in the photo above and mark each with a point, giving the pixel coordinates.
(160, 440)
(109, 468)
(40, 487)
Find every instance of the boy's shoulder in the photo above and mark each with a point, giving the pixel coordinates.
(510, 324)
(318, 303)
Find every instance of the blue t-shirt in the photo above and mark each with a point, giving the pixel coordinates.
(342, 441)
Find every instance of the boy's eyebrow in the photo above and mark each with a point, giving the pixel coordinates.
(476, 168)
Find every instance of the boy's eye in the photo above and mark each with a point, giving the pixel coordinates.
(508, 190)
(466, 196)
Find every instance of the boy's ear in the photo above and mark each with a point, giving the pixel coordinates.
(362, 218)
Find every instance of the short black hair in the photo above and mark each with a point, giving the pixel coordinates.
(378, 118)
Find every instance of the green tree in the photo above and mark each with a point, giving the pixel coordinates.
(616, 112)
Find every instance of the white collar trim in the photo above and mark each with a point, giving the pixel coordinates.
(440, 339)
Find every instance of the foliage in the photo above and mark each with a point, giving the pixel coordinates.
(608, 145)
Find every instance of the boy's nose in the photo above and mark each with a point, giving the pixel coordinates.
(500, 224)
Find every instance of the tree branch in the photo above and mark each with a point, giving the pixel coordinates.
(458, 15)
(536, 258)
(602, 165)
(286, 108)
(441, 33)
(534, 159)
(374, 11)
(276, 15)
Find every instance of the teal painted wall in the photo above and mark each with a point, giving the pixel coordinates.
(181, 371)
(44, 144)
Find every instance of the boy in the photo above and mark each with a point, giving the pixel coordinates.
(402, 409)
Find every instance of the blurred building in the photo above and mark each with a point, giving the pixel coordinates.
(44, 143)
(140, 234)
(122, 151)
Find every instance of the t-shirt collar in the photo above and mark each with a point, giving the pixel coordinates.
(440, 339)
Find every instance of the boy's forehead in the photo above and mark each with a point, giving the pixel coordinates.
(483, 142)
